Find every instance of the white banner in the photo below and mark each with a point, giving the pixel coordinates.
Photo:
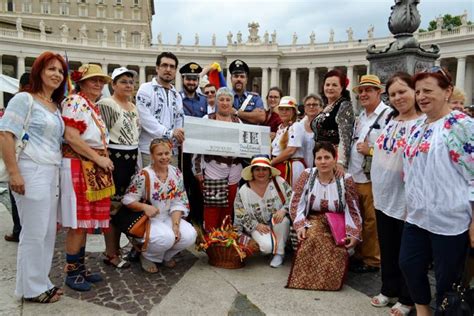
(212, 137)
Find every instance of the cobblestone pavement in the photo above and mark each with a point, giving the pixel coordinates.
(129, 290)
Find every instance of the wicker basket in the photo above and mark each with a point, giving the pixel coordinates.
(224, 257)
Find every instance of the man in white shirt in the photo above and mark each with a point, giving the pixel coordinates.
(160, 108)
(367, 128)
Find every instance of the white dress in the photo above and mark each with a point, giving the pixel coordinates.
(168, 197)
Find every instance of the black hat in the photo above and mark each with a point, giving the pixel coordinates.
(238, 66)
(190, 69)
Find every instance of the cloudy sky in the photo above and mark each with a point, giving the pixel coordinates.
(206, 17)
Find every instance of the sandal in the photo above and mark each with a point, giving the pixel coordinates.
(147, 265)
(400, 310)
(116, 261)
(382, 300)
(44, 298)
(57, 290)
(170, 263)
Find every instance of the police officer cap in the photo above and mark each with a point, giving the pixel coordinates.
(190, 69)
(238, 66)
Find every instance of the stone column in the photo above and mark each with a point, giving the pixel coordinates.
(316, 82)
(229, 81)
(274, 82)
(469, 82)
(461, 72)
(20, 66)
(311, 75)
(350, 76)
(142, 75)
(264, 82)
(298, 86)
(1, 93)
(105, 68)
(293, 82)
(178, 82)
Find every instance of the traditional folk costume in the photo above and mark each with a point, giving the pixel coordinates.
(320, 264)
(124, 129)
(335, 126)
(85, 198)
(252, 209)
(37, 208)
(168, 196)
(439, 184)
(215, 168)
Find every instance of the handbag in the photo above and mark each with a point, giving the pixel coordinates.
(216, 193)
(336, 220)
(135, 224)
(460, 300)
(20, 143)
(337, 224)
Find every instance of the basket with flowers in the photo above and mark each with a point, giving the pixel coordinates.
(225, 247)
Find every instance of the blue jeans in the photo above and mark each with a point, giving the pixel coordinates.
(418, 248)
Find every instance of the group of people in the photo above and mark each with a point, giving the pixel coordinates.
(365, 192)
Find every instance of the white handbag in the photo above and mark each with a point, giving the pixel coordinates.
(20, 143)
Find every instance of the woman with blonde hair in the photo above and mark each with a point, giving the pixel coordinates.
(287, 146)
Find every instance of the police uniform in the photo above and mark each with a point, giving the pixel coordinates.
(197, 105)
(239, 66)
(194, 106)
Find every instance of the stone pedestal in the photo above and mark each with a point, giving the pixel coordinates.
(410, 60)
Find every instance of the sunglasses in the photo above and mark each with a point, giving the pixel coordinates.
(437, 69)
(209, 92)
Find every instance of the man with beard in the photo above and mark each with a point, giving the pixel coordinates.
(194, 104)
(248, 106)
(160, 108)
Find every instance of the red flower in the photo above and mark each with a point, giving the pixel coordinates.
(424, 147)
(290, 102)
(454, 155)
(76, 75)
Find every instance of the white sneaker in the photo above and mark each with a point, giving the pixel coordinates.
(276, 261)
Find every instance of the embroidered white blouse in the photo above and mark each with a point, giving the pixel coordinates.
(386, 174)
(123, 125)
(438, 163)
(308, 144)
(168, 196)
(160, 111)
(78, 114)
(251, 209)
(325, 198)
(45, 130)
(295, 139)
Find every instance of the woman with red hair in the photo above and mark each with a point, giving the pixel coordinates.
(34, 116)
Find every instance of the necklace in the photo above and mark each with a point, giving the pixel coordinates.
(42, 97)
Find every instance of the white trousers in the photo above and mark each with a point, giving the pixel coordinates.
(162, 246)
(37, 210)
(264, 241)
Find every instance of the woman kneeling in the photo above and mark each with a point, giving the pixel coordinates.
(261, 206)
(169, 233)
(322, 255)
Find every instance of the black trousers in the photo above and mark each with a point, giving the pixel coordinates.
(418, 247)
(193, 190)
(390, 236)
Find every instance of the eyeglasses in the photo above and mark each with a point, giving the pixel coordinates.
(209, 92)
(312, 105)
(437, 69)
(166, 66)
(130, 82)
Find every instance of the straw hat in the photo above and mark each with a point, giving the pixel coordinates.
(368, 81)
(262, 161)
(87, 71)
(288, 102)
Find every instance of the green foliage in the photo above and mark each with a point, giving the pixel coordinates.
(449, 22)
